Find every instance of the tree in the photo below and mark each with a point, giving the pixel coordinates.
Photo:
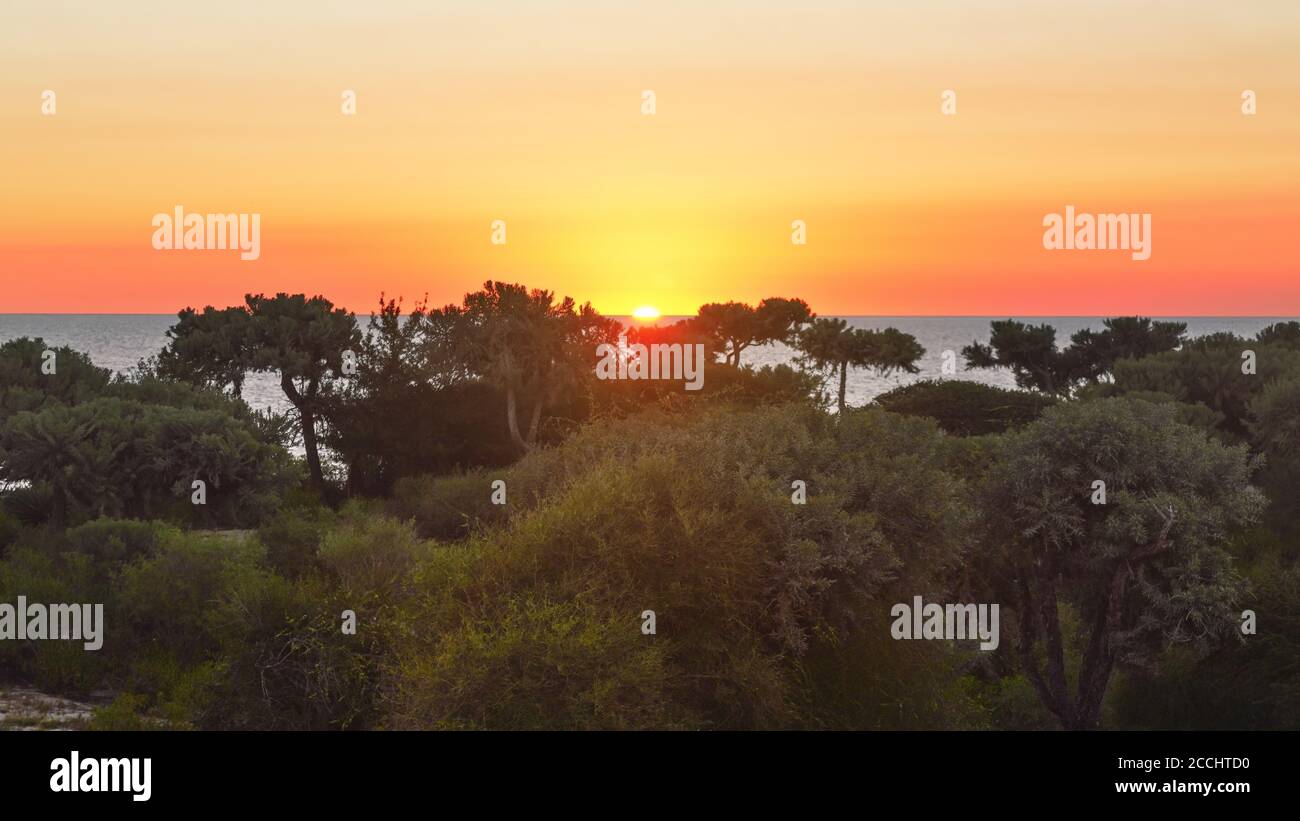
(831, 345)
(965, 408)
(1030, 351)
(1207, 370)
(411, 408)
(531, 347)
(735, 326)
(1275, 432)
(1092, 355)
(1148, 568)
(1286, 334)
(300, 338)
(25, 387)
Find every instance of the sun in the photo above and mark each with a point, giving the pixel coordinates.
(646, 313)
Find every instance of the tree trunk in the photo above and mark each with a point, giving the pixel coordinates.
(1028, 611)
(844, 376)
(1038, 609)
(313, 450)
(512, 420)
(308, 418)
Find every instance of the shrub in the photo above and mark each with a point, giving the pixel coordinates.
(284, 662)
(123, 458)
(965, 408)
(25, 387)
(292, 539)
(695, 522)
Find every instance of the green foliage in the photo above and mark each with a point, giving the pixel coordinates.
(539, 664)
(299, 338)
(637, 496)
(292, 539)
(831, 345)
(113, 542)
(124, 458)
(162, 602)
(965, 408)
(744, 386)
(1146, 569)
(1275, 431)
(1284, 334)
(1030, 351)
(1275, 418)
(38, 569)
(24, 387)
(1189, 691)
(284, 662)
(530, 347)
(871, 681)
(745, 584)
(446, 507)
(122, 714)
(731, 327)
(370, 558)
(1208, 371)
(411, 409)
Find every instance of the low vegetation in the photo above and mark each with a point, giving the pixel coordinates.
(489, 537)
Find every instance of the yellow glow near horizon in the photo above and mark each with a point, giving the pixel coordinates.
(646, 313)
(828, 113)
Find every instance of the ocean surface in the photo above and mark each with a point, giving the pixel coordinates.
(119, 341)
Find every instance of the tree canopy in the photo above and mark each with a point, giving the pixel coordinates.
(829, 344)
(1144, 568)
(1030, 351)
(301, 339)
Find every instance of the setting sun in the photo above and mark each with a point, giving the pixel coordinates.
(646, 312)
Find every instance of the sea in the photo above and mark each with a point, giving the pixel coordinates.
(119, 341)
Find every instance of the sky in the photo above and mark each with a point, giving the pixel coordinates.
(765, 113)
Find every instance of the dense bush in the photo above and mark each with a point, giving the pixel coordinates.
(394, 429)
(965, 408)
(748, 588)
(1247, 683)
(25, 387)
(116, 457)
(639, 496)
(1208, 371)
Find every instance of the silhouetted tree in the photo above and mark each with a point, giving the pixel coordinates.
(531, 347)
(300, 338)
(1030, 351)
(735, 326)
(24, 386)
(831, 345)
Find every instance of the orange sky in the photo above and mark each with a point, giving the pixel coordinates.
(767, 112)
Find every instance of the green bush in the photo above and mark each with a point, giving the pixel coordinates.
(292, 539)
(24, 386)
(284, 662)
(123, 713)
(38, 569)
(696, 522)
(1207, 371)
(163, 601)
(123, 458)
(965, 408)
(113, 542)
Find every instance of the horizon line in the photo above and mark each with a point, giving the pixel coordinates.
(847, 316)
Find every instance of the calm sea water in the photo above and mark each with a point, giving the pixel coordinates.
(119, 341)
